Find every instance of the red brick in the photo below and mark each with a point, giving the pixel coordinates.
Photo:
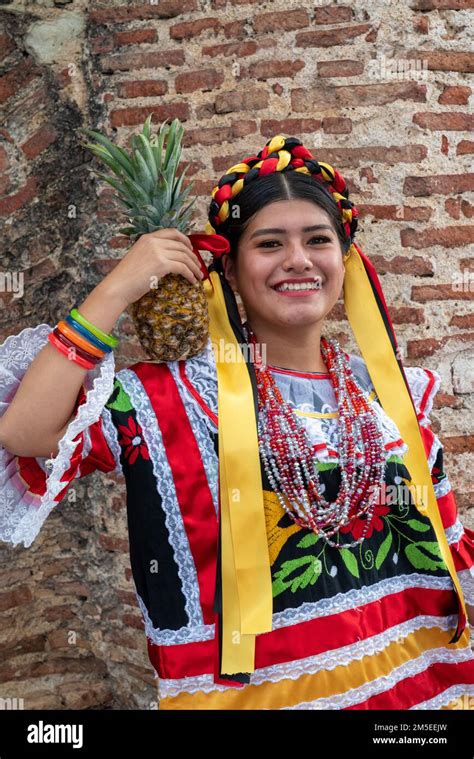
(16, 79)
(331, 37)
(230, 48)
(12, 203)
(443, 184)
(443, 60)
(421, 24)
(345, 67)
(138, 114)
(235, 30)
(417, 265)
(262, 70)
(447, 237)
(243, 127)
(337, 125)
(457, 207)
(395, 213)
(432, 5)
(4, 162)
(241, 100)
(455, 95)
(270, 127)
(123, 14)
(15, 597)
(189, 29)
(465, 321)
(465, 147)
(41, 140)
(426, 293)
(6, 45)
(344, 96)
(144, 88)
(447, 121)
(113, 543)
(458, 444)
(203, 79)
(421, 348)
(134, 61)
(135, 36)
(330, 15)
(210, 136)
(281, 21)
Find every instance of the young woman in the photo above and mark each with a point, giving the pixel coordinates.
(294, 538)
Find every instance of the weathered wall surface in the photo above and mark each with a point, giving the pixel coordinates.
(380, 90)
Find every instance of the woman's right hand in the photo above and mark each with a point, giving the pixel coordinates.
(151, 257)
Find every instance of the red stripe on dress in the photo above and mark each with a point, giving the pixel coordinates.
(316, 636)
(429, 387)
(192, 488)
(434, 680)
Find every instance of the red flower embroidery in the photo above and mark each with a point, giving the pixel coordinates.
(133, 442)
(356, 527)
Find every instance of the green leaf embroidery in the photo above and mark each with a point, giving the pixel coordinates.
(415, 524)
(122, 401)
(420, 560)
(308, 540)
(350, 561)
(383, 550)
(283, 581)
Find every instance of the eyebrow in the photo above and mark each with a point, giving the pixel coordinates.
(282, 231)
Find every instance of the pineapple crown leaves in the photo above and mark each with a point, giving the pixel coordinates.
(145, 177)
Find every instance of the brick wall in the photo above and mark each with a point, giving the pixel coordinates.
(379, 90)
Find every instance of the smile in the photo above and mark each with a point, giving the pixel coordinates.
(298, 291)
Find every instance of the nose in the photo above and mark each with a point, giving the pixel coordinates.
(296, 258)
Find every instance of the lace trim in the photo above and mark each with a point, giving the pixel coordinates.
(311, 665)
(161, 637)
(200, 423)
(443, 487)
(166, 488)
(455, 532)
(443, 699)
(358, 597)
(466, 579)
(387, 682)
(111, 435)
(419, 380)
(21, 518)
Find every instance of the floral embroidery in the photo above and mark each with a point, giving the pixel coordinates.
(132, 440)
(395, 532)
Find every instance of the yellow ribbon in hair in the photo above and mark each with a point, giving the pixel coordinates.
(370, 332)
(246, 576)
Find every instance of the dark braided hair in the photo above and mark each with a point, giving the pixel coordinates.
(248, 186)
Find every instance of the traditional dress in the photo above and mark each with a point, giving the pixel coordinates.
(363, 628)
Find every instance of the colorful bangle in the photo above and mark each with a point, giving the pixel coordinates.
(70, 344)
(78, 340)
(88, 334)
(66, 351)
(108, 339)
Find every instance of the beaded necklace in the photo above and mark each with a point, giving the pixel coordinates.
(289, 461)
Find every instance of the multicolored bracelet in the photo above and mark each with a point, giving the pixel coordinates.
(81, 341)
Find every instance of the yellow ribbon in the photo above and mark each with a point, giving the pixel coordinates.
(370, 332)
(246, 576)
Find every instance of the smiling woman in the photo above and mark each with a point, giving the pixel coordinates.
(294, 537)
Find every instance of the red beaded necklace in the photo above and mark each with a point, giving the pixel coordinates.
(289, 461)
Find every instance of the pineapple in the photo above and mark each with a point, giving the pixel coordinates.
(171, 320)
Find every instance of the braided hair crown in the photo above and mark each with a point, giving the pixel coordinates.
(279, 154)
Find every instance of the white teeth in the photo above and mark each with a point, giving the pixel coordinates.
(305, 286)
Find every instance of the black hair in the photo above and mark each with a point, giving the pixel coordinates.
(290, 185)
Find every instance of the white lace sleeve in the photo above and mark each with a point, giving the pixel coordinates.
(424, 385)
(31, 487)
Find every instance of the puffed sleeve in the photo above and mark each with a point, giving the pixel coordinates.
(424, 385)
(30, 487)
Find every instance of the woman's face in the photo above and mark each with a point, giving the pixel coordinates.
(287, 251)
